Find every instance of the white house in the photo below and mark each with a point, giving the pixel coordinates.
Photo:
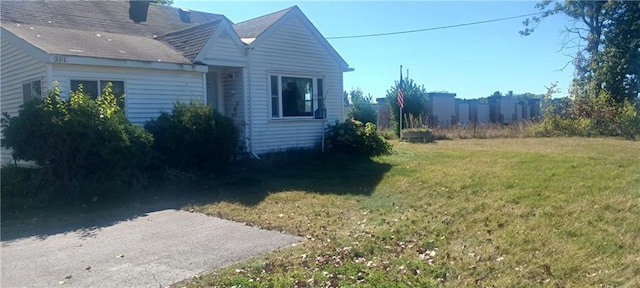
(273, 74)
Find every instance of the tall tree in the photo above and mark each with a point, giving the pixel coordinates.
(361, 107)
(609, 60)
(345, 98)
(415, 102)
(620, 68)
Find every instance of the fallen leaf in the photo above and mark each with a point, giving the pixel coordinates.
(87, 268)
(120, 256)
(68, 277)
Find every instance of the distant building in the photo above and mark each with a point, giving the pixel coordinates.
(384, 114)
(503, 109)
(442, 112)
(462, 112)
(534, 108)
(445, 110)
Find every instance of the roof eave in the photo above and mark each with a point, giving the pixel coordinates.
(128, 63)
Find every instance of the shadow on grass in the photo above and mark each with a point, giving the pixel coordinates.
(301, 171)
(247, 183)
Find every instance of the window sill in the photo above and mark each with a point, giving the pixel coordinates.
(295, 119)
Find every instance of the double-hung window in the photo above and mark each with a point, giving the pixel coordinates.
(31, 90)
(94, 88)
(293, 96)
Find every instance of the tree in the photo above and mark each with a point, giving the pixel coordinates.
(345, 98)
(415, 102)
(620, 67)
(362, 108)
(609, 63)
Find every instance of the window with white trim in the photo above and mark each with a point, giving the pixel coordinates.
(293, 96)
(31, 90)
(94, 88)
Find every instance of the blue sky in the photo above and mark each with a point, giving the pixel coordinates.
(472, 61)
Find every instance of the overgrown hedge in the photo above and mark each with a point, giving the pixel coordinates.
(76, 142)
(591, 117)
(194, 137)
(77, 139)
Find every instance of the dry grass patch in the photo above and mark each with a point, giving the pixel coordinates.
(557, 212)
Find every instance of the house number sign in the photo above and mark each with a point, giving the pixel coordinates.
(59, 59)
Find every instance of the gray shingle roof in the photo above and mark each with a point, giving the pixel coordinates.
(190, 40)
(105, 16)
(252, 28)
(64, 41)
(67, 27)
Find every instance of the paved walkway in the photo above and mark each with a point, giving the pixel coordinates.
(152, 250)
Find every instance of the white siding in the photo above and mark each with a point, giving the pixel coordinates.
(292, 49)
(224, 49)
(148, 91)
(18, 67)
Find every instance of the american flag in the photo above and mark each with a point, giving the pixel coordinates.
(400, 92)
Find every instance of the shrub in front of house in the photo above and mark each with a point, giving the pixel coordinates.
(194, 138)
(355, 138)
(23, 187)
(77, 140)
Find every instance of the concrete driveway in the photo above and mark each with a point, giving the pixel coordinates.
(155, 249)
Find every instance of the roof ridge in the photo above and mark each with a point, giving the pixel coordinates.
(192, 27)
(267, 15)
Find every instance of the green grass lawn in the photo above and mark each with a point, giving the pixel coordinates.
(557, 212)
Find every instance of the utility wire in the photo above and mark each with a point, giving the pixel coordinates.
(432, 28)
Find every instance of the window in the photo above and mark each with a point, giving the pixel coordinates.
(94, 88)
(295, 96)
(31, 90)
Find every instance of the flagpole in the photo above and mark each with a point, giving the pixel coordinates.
(399, 105)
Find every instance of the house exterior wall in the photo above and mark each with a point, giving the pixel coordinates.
(18, 67)
(148, 91)
(290, 49)
(224, 50)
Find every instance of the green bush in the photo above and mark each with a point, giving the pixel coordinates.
(79, 139)
(353, 137)
(22, 187)
(362, 108)
(389, 134)
(591, 117)
(194, 137)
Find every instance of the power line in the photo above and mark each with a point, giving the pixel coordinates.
(433, 28)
